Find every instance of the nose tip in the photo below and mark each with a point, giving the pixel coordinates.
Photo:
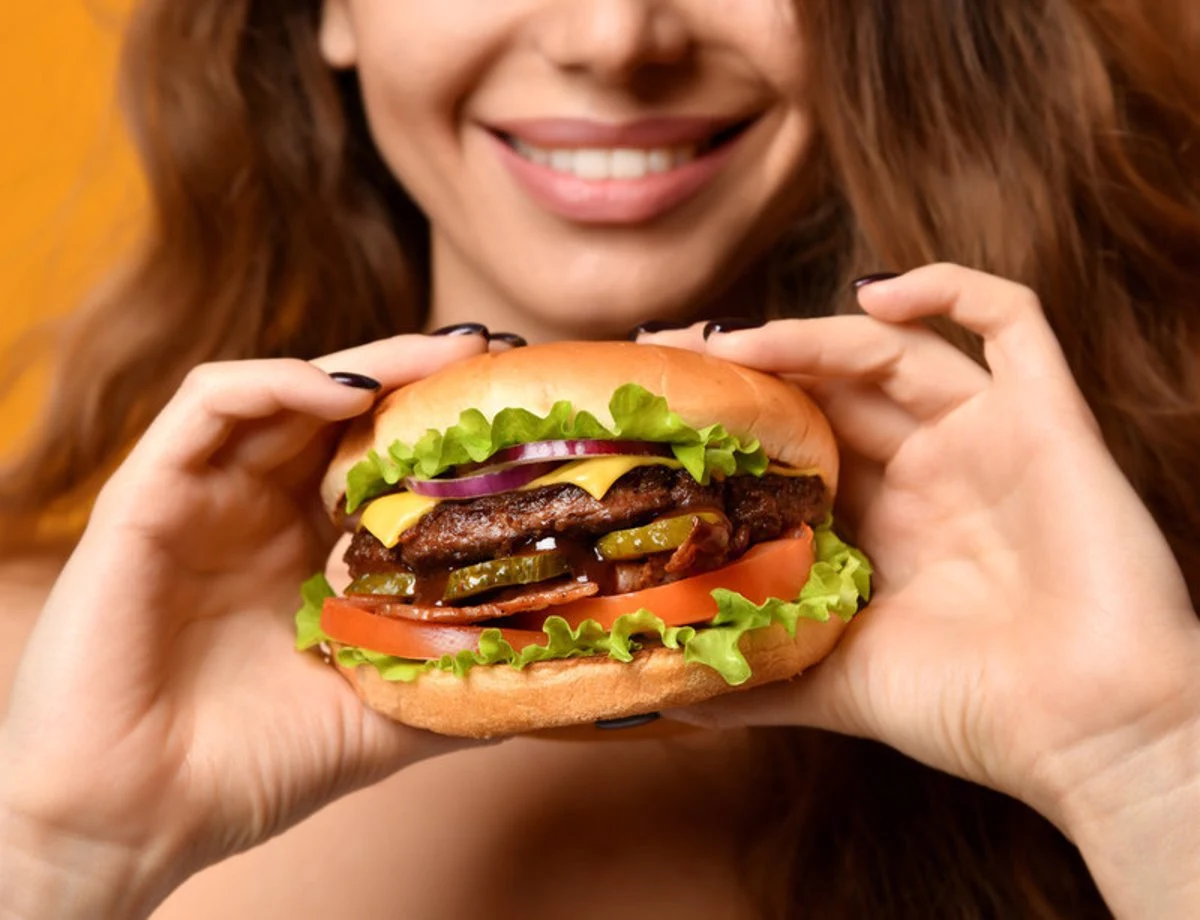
(614, 39)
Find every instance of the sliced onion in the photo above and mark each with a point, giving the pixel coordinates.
(580, 447)
(516, 466)
(487, 483)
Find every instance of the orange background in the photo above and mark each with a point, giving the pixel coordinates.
(69, 193)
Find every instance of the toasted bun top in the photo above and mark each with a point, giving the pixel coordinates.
(703, 390)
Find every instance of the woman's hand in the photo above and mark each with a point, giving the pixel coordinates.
(160, 708)
(1030, 629)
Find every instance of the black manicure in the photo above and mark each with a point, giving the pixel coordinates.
(730, 324)
(859, 283)
(651, 326)
(508, 338)
(462, 329)
(628, 722)
(358, 381)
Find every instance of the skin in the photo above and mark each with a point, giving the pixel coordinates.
(1020, 579)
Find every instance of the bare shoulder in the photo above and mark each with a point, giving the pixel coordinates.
(24, 584)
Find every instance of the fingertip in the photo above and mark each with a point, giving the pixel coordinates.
(356, 381)
(877, 293)
(689, 337)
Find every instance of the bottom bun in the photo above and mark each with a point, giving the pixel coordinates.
(499, 700)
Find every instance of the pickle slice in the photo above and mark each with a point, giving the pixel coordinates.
(657, 537)
(397, 584)
(504, 573)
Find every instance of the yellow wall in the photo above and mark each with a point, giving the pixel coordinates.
(69, 194)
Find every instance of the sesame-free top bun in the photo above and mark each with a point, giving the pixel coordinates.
(703, 390)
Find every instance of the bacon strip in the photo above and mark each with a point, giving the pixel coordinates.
(534, 598)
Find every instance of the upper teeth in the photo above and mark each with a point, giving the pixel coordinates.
(614, 163)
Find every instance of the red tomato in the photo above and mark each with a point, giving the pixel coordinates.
(351, 623)
(775, 569)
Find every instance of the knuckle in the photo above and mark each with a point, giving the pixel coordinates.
(203, 378)
(1024, 301)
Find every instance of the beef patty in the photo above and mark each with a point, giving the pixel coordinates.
(457, 533)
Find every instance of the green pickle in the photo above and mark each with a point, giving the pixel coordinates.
(504, 573)
(657, 537)
(398, 584)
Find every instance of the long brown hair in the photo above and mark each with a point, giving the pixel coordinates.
(1053, 142)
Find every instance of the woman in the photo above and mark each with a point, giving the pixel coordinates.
(326, 175)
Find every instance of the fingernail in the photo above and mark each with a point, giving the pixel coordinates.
(860, 283)
(508, 338)
(357, 381)
(462, 329)
(730, 324)
(651, 326)
(628, 722)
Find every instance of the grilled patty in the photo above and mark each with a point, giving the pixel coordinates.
(458, 533)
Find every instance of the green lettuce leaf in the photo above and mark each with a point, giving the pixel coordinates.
(637, 415)
(839, 581)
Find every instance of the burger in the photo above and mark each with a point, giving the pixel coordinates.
(578, 533)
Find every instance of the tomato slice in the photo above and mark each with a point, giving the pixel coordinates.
(349, 622)
(775, 569)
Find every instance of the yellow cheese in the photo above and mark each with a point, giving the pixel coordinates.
(596, 476)
(391, 515)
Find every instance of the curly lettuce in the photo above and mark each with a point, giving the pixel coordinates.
(637, 415)
(839, 582)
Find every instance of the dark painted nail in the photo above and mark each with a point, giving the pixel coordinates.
(358, 381)
(860, 283)
(462, 329)
(508, 338)
(628, 722)
(730, 324)
(653, 325)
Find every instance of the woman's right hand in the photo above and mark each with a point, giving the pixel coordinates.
(160, 718)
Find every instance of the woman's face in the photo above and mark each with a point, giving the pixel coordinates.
(585, 164)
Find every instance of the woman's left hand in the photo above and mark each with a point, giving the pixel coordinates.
(1030, 629)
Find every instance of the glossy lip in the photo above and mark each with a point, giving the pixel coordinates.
(615, 201)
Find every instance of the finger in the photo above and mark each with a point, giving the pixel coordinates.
(500, 342)
(864, 419)
(1017, 338)
(911, 365)
(689, 337)
(404, 358)
(813, 699)
(215, 398)
(264, 445)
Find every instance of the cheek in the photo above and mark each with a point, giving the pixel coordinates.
(417, 61)
(769, 33)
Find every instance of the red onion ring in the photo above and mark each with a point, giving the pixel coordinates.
(486, 483)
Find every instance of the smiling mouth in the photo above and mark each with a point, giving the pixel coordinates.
(597, 164)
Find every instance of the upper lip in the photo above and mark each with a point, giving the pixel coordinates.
(644, 133)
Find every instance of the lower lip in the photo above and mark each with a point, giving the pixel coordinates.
(614, 201)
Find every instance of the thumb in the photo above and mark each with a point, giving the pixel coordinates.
(818, 698)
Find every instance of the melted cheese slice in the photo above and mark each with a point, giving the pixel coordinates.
(596, 476)
(389, 516)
